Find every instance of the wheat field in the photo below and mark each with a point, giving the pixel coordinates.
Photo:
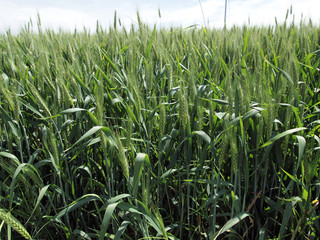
(148, 133)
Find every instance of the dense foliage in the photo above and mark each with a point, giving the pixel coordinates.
(160, 133)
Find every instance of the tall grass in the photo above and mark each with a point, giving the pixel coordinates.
(160, 133)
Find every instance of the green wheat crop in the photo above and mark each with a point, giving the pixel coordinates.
(156, 133)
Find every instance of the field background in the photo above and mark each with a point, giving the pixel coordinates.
(149, 133)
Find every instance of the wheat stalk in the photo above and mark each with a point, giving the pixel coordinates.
(123, 159)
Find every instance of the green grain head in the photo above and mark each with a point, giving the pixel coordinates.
(14, 223)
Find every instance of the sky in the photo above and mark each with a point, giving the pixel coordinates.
(71, 14)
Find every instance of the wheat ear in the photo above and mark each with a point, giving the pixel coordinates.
(14, 223)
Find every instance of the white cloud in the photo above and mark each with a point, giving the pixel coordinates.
(53, 17)
(12, 16)
(16, 16)
(70, 14)
(263, 12)
(186, 15)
